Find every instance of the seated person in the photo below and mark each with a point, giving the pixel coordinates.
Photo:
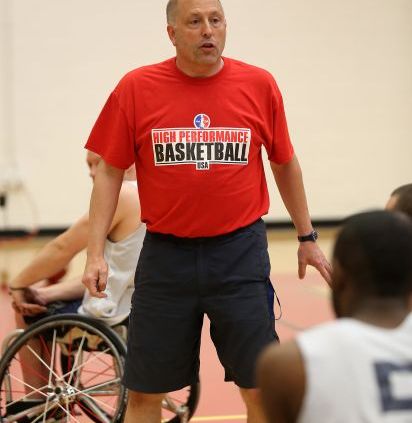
(33, 296)
(401, 200)
(359, 367)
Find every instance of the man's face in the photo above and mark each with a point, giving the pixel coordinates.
(198, 33)
(93, 161)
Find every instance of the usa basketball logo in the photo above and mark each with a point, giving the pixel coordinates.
(202, 121)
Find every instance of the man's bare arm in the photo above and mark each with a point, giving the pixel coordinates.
(281, 379)
(289, 180)
(103, 204)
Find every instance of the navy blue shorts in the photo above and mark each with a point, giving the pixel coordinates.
(177, 281)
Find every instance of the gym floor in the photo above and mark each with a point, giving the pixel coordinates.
(304, 304)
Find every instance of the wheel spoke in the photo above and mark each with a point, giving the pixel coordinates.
(52, 355)
(88, 361)
(107, 384)
(43, 362)
(86, 395)
(42, 415)
(77, 358)
(46, 408)
(34, 390)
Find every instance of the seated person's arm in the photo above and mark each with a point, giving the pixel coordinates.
(54, 256)
(69, 289)
(51, 259)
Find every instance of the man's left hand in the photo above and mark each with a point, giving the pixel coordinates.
(309, 253)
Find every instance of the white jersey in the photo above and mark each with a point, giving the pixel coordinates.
(357, 373)
(121, 258)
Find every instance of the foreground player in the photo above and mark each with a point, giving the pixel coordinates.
(195, 126)
(357, 369)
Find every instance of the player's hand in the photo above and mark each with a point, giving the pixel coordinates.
(310, 254)
(95, 277)
(21, 305)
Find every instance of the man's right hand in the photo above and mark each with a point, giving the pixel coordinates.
(95, 277)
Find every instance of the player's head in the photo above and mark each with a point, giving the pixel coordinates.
(401, 200)
(93, 161)
(197, 28)
(372, 260)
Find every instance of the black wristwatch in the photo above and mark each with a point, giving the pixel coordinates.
(313, 236)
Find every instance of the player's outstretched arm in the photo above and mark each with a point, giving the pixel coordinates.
(55, 255)
(288, 177)
(107, 183)
(51, 259)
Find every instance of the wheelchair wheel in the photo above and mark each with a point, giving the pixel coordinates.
(63, 368)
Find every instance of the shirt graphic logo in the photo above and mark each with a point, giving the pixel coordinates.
(202, 121)
(202, 145)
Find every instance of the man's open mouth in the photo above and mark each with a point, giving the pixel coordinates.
(208, 46)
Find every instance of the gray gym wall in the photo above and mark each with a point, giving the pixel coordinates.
(344, 68)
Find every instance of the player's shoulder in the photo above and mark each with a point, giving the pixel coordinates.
(249, 70)
(147, 71)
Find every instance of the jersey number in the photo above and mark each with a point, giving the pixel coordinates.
(393, 399)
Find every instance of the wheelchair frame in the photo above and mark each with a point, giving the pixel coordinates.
(73, 341)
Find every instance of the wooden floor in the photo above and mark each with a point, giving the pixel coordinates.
(304, 303)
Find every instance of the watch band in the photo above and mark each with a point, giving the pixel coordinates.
(313, 236)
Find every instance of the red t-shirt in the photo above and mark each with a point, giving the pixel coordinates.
(196, 143)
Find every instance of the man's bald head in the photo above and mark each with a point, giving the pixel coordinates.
(171, 11)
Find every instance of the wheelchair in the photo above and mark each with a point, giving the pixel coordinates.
(74, 374)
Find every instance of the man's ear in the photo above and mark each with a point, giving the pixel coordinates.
(172, 34)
